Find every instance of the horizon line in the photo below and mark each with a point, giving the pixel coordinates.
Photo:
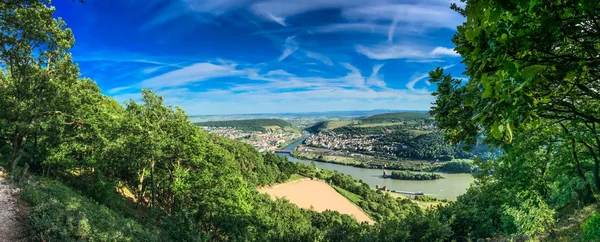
(336, 111)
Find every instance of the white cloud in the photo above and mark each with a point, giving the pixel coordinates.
(275, 88)
(290, 47)
(411, 84)
(278, 20)
(278, 72)
(422, 15)
(118, 89)
(319, 57)
(323, 99)
(392, 29)
(441, 51)
(288, 8)
(391, 51)
(151, 69)
(216, 7)
(418, 77)
(352, 27)
(430, 14)
(194, 73)
(375, 79)
(385, 52)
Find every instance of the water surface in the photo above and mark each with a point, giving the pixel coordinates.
(449, 188)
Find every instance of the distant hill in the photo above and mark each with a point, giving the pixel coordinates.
(248, 124)
(316, 128)
(373, 124)
(395, 117)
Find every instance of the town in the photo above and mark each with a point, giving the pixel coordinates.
(262, 141)
(371, 144)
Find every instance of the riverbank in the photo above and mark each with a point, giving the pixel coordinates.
(364, 162)
(368, 162)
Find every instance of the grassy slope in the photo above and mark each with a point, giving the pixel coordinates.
(336, 124)
(569, 223)
(355, 199)
(295, 177)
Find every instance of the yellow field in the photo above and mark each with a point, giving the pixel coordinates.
(316, 195)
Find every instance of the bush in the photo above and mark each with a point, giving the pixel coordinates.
(591, 228)
(61, 214)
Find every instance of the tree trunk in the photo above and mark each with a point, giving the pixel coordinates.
(17, 151)
(588, 193)
(153, 187)
(141, 187)
(596, 164)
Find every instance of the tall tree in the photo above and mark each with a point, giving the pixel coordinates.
(38, 72)
(528, 62)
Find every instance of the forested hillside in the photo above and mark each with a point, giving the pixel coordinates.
(92, 169)
(316, 128)
(395, 117)
(247, 124)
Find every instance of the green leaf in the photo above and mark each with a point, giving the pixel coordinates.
(487, 86)
(471, 34)
(532, 71)
(509, 66)
(509, 133)
(567, 13)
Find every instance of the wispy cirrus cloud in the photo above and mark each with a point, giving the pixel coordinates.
(197, 72)
(290, 47)
(307, 54)
(319, 57)
(418, 77)
(392, 51)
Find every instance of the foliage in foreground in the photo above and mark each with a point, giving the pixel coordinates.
(61, 214)
(591, 228)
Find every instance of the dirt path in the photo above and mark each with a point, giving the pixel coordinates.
(12, 227)
(317, 195)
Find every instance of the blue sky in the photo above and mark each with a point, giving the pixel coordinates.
(266, 56)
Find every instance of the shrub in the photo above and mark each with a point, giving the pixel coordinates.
(591, 228)
(61, 214)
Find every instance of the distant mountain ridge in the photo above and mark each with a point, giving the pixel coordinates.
(325, 113)
(247, 124)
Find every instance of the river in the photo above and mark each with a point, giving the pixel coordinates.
(449, 188)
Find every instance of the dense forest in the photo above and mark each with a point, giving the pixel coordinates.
(316, 128)
(247, 124)
(395, 118)
(141, 171)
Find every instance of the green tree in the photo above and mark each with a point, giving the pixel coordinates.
(37, 75)
(527, 62)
